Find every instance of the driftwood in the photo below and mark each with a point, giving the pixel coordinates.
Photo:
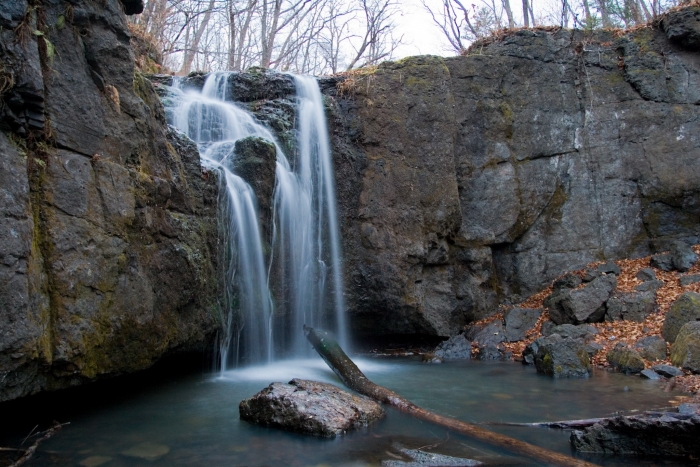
(351, 375)
(29, 452)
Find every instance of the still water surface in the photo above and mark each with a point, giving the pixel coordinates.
(195, 418)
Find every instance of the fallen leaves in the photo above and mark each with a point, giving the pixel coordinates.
(627, 332)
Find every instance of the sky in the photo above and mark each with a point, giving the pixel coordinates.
(421, 35)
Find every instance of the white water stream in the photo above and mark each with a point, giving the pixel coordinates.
(305, 263)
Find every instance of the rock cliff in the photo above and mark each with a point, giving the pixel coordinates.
(462, 183)
(468, 180)
(107, 226)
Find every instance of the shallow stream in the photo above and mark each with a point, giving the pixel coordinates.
(193, 420)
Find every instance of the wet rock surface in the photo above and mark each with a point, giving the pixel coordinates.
(310, 407)
(667, 435)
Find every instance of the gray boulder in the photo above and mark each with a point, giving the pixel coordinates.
(650, 374)
(561, 358)
(685, 351)
(667, 434)
(310, 407)
(651, 347)
(567, 281)
(685, 309)
(682, 256)
(650, 286)
(634, 306)
(519, 321)
(569, 331)
(607, 268)
(624, 359)
(646, 274)
(489, 340)
(455, 348)
(586, 305)
(662, 261)
(667, 370)
(689, 279)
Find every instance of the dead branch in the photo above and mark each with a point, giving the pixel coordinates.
(351, 375)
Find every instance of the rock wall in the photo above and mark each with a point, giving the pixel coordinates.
(107, 224)
(471, 180)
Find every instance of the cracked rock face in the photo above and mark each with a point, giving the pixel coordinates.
(107, 228)
(466, 180)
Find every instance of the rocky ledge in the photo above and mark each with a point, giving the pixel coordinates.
(662, 434)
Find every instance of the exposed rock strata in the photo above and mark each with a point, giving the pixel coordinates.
(466, 180)
(107, 226)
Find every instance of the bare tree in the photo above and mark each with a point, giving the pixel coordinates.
(377, 41)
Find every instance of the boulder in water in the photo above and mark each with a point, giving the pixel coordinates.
(310, 407)
(624, 359)
(560, 357)
(455, 348)
(667, 434)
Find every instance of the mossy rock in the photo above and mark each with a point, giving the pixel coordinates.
(685, 352)
(625, 360)
(684, 310)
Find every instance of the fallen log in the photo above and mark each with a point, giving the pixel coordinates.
(352, 377)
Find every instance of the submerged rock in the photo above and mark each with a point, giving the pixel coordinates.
(667, 435)
(428, 459)
(310, 407)
(685, 309)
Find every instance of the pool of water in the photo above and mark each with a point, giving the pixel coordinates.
(193, 420)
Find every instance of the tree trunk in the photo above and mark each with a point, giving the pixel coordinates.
(526, 21)
(351, 375)
(191, 49)
(509, 13)
(603, 8)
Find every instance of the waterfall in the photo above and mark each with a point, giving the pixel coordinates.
(304, 267)
(307, 225)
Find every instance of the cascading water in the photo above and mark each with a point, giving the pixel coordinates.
(306, 229)
(305, 263)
